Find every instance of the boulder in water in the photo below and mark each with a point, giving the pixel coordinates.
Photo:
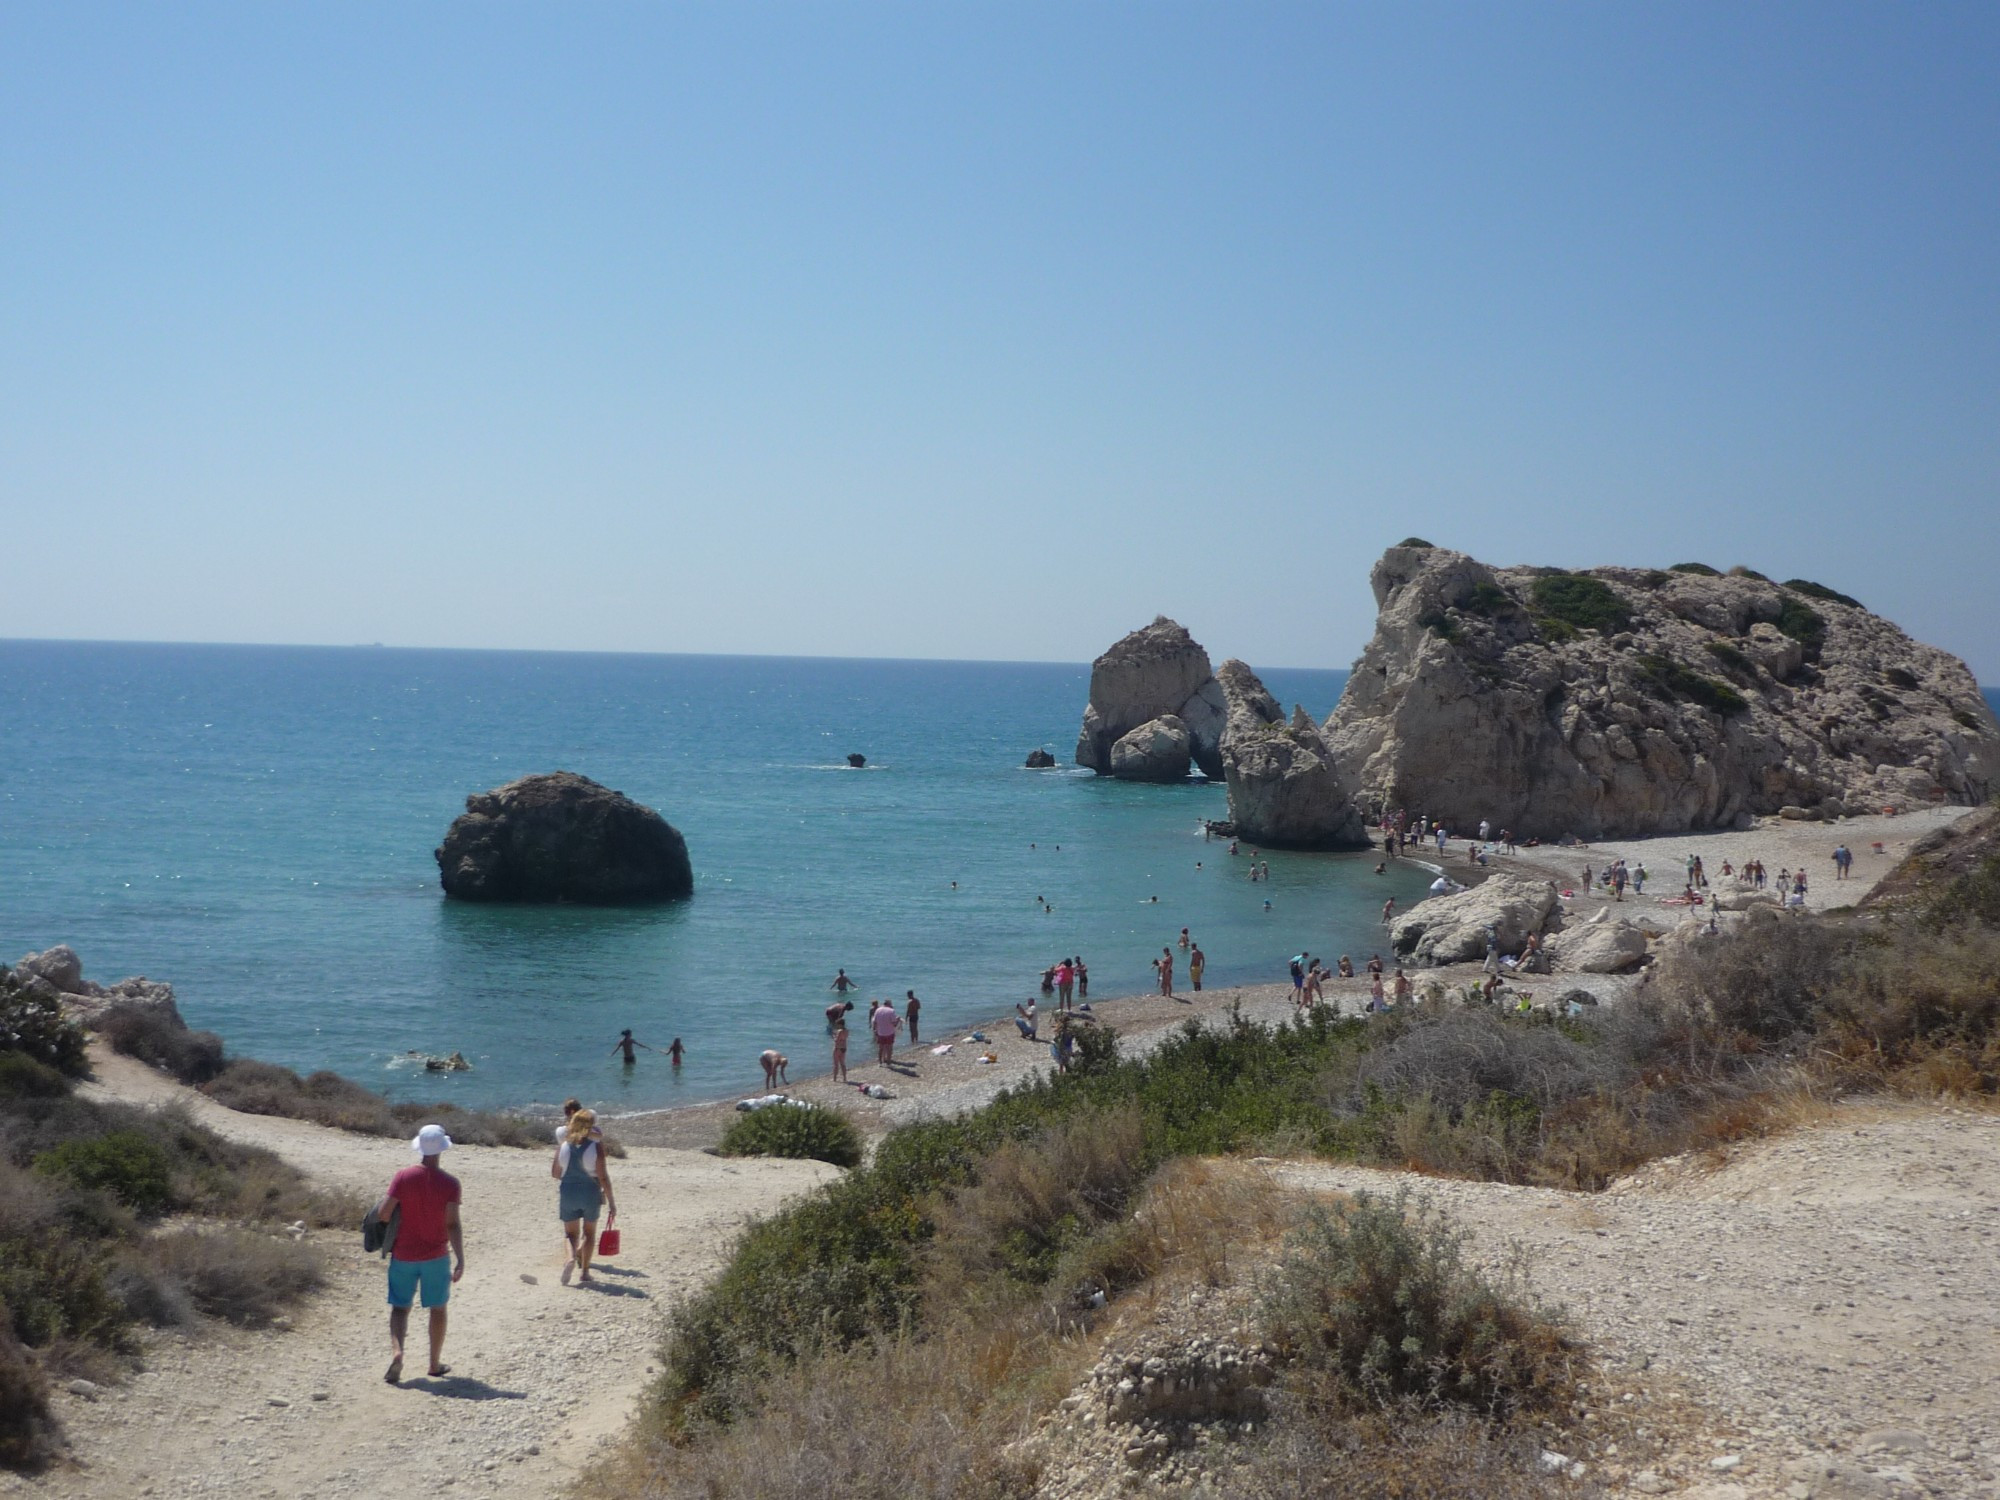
(562, 837)
(856, 760)
(1155, 751)
(1039, 760)
(1156, 672)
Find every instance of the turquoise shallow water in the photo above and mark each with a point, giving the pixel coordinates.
(255, 824)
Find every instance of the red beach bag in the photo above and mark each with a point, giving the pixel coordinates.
(607, 1242)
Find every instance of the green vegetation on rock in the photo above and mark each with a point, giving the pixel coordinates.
(1801, 622)
(1579, 601)
(1700, 569)
(1417, 542)
(1670, 676)
(1821, 591)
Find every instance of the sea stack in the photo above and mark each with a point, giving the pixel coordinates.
(1039, 760)
(1154, 674)
(1620, 702)
(561, 837)
(1285, 790)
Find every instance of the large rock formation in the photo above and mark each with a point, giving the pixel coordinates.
(562, 837)
(56, 974)
(1624, 702)
(1284, 789)
(1452, 929)
(1154, 673)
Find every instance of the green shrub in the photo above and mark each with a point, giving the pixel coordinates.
(1671, 677)
(806, 1132)
(1702, 570)
(1653, 578)
(22, 1077)
(1729, 656)
(1966, 718)
(1580, 601)
(1418, 542)
(1553, 629)
(1739, 571)
(1440, 624)
(1821, 591)
(1489, 600)
(36, 1027)
(154, 1036)
(1379, 1296)
(129, 1166)
(1801, 621)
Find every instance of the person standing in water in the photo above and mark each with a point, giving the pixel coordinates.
(583, 1175)
(842, 984)
(675, 1051)
(1167, 972)
(1082, 979)
(910, 1009)
(626, 1042)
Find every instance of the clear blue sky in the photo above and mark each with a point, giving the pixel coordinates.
(981, 330)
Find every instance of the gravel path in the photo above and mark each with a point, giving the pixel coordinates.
(541, 1373)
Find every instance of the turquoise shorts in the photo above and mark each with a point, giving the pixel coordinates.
(432, 1276)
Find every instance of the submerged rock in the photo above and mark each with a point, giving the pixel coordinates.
(1284, 788)
(562, 837)
(1625, 702)
(1154, 673)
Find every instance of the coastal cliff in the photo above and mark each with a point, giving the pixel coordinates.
(1285, 789)
(1627, 701)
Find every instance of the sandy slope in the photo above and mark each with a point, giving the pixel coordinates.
(1830, 1297)
(541, 1373)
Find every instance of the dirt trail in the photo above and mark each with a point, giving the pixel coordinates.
(541, 1373)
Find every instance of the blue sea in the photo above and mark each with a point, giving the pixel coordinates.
(256, 825)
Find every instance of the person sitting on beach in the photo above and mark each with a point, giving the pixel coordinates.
(1024, 1020)
(774, 1066)
(1346, 969)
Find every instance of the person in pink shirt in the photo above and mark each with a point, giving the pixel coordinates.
(424, 1199)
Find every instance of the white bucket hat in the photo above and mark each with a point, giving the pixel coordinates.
(431, 1141)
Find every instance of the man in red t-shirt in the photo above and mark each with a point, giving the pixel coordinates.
(428, 1197)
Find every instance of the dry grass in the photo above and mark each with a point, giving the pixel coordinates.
(242, 1276)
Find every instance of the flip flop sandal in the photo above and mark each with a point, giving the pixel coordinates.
(440, 1370)
(569, 1270)
(394, 1374)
